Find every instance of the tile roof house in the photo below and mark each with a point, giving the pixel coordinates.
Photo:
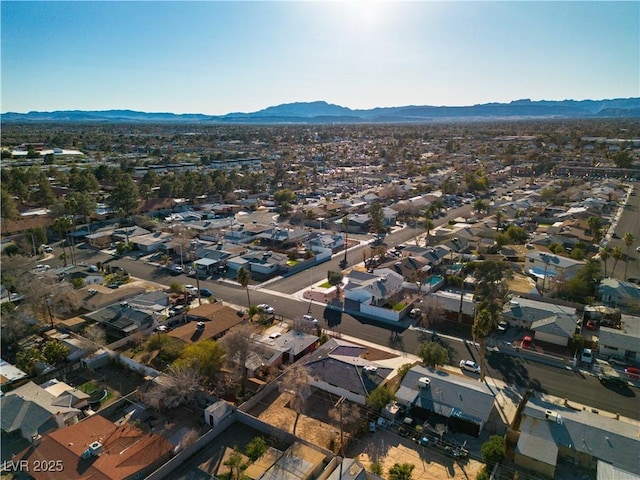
(550, 433)
(466, 403)
(558, 328)
(31, 411)
(217, 318)
(97, 449)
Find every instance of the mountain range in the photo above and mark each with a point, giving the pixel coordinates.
(323, 113)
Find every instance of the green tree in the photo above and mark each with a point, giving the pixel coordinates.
(44, 196)
(255, 448)
(622, 159)
(55, 351)
(518, 235)
(483, 325)
(376, 215)
(433, 354)
(595, 227)
(401, 471)
(204, 357)
(335, 280)
(492, 277)
(617, 255)
(628, 240)
(583, 284)
(605, 253)
(379, 398)
(493, 451)
(124, 197)
(27, 359)
(63, 226)
(8, 208)
(284, 196)
(244, 277)
(237, 464)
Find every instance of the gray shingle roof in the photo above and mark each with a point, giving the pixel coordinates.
(447, 394)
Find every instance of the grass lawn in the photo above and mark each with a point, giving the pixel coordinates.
(291, 263)
(325, 285)
(91, 386)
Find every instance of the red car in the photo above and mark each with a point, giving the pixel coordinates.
(591, 325)
(526, 342)
(632, 372)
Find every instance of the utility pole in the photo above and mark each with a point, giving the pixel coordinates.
(339, 406)
(48, 302)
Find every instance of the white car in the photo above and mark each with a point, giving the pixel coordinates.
(266, 308)
(191, 289)
(310, 318)
(469, 366)
(46, 248)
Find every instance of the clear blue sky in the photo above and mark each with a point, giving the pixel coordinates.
(222, 57)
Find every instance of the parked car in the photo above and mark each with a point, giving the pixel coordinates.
(163, 328)
(632, 372)
(310, 318)
(200, 326)
(503, 326)
(613, 360)
(191, 289)
(591, 325)
(46, 248)
(586, 356)
(612, 380)
(275, 335)
(266, 308)
(527, 342)
(205, 292)
(470, 366)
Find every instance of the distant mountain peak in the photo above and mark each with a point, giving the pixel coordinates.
(320, 112)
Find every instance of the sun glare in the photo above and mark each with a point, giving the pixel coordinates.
(367, 14)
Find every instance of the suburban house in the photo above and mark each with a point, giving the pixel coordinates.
(262, 264)
(152, 242)
(97, 448)
(543, 265)
(10, 373)
(99, 296)
(30, 411)
(339, 367)
(368, 293)
(558, 329)
(621, 343)
(551, 433)
(216, 320)
(617, 293)
(122, 319)
(523, 312)
(464, 402)
(289, 347)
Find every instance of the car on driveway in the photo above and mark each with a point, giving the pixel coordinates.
(469, 366)
(191, 289)
(527, 342)
(503, 326)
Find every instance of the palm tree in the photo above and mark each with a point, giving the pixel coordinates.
(595, 225)
(482, 327)
(243, 278)
(499, 217)
(63, 225)
(427, 225)
(617, 255)
(628, 240)
(605, 253)
(345, 225)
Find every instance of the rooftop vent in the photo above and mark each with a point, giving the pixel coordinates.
(424, 382)
(93, 449)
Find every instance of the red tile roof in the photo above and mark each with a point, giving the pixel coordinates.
(126, 451)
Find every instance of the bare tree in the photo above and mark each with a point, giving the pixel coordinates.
(240, 344)
(178, 387)
(347, 417)
(432, 311)
(93, 338)
(296, 384)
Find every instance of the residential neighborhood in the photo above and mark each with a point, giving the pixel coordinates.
(321, 301)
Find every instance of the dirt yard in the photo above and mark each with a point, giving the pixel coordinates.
(388, 448)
